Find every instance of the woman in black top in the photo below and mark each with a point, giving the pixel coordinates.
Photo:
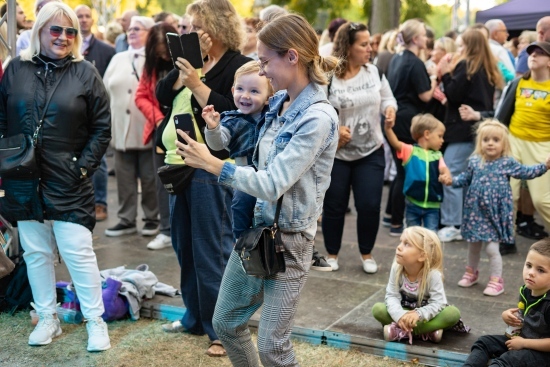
(412, 88)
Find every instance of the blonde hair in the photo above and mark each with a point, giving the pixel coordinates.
(446, 43)
(492, 127)
(427, 242)
(51, 11)
(408, 30)
(293, 31)
(423, 122)
(388, 41)
(252, 67)
(220, 21)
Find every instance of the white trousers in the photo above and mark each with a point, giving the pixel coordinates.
(75, 246)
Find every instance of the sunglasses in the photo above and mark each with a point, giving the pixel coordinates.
(57, 31)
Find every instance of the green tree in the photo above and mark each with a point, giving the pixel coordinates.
(310, 8)
(415, 9)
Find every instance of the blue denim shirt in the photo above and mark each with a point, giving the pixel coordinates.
(298, 165)
(237, 132)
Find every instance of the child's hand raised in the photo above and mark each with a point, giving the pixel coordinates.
(389, 123)
(211, 117)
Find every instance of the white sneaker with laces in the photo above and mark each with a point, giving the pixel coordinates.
(98, 335)
(448, 234)
(47, 328)
(333, 263)
(161, 241)
(369, 266)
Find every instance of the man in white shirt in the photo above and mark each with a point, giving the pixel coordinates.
(498, 34)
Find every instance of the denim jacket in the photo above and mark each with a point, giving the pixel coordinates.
(237, 132)
(298, 165)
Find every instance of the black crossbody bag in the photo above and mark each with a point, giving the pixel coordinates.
(261, 249)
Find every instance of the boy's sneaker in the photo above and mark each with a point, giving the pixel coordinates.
(396, 231)
(48, 327)
(174, 327)
(120, 230)
(449, 233)
(531, 230)
(434, 336)
(333, 263)
(150, 229)
(507, 248)
(392, 332)
(386, 221)
(469, 278)
(495, 287)
(319, 263)
(160, 242)
(98, 335)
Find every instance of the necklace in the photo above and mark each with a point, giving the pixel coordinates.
(411, 287)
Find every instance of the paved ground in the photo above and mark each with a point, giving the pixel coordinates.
(341, 301)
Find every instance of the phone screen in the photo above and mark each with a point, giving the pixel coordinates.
(174, 45)
(185, 123)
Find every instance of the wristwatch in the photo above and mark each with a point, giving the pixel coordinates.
(84, 172)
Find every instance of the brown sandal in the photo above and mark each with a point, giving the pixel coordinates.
(219, 344)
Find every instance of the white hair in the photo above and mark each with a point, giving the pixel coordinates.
(493, 24)
(51, 11)
(146, 22)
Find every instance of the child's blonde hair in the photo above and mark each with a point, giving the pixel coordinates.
(493, 127)
(429, 245)
(423, 122)
(252, 67)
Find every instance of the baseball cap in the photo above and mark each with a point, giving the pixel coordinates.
(544, 46)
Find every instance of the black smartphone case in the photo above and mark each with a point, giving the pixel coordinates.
(184, 122)
(174, 46)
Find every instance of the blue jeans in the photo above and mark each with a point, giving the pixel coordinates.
(365, 177)
(200, 220)
(243, 211)
(417, 216)
(456, 157)
(99, 179)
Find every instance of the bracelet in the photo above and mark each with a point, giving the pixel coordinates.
(419, 314)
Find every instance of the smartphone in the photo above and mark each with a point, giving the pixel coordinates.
(185, 123)
(192, 49)
(174, 45)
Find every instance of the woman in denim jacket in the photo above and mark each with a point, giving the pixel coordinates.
(294, 157)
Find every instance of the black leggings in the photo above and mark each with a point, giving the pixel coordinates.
(395, 206)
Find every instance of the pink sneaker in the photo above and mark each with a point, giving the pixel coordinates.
(435, 336)
(469, 278)
(392, 332)
(495, 287)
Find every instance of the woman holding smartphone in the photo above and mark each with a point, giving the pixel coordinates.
(200, 217)
(294, 157)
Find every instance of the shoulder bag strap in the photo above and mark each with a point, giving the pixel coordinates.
(35, 135)
(278, 212)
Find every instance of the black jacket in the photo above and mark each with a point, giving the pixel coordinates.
(75, 133)
(535, 324)
(100, 54)
(219, 79)
(475, 92)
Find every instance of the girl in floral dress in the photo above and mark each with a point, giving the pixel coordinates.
(488, 208)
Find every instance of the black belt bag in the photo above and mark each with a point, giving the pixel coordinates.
(261, 249)
(175, 177)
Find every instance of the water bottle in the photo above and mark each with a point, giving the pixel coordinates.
(69, 316)
(512, 331)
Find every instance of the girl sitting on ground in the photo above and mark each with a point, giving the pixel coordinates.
(415, 302)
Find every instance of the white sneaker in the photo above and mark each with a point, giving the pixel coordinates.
(448, 234)
(333, 263)
(47, 328)
(98, 335)
(160, 242)
(369, 266)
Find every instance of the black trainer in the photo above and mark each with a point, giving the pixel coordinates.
(120, 230)
(507, 248)
(531, 230)
(319, 263)
(150, 229)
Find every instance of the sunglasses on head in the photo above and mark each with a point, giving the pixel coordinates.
(57, 31)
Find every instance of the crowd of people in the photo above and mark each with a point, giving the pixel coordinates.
(277, 112)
